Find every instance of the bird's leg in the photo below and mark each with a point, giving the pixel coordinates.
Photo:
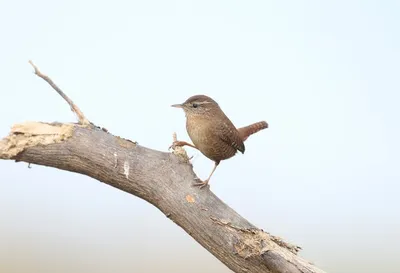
(181, 144)
(204, 183)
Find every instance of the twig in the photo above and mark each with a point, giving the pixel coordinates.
(82, 119)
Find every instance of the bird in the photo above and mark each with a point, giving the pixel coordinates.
(212, 132)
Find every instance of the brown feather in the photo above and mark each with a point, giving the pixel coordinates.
(230, 135)
(247, 131)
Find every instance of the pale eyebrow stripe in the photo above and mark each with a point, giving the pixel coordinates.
(202, 102)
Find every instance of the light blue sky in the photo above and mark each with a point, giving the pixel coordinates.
(325, 175)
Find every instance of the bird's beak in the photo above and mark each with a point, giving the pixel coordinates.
(177, 105)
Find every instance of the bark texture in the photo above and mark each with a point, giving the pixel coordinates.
(164, 180)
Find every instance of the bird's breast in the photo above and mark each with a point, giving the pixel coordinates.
(200, 131)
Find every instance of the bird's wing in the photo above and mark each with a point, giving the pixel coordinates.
(230, 135)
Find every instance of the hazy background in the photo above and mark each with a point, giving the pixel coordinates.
(325, 175)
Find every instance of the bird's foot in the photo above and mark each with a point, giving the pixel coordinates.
(176, 144)
(201, 184)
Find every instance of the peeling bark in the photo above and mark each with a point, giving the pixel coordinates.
(31, 134)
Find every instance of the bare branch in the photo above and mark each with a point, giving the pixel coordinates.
(162, 179)
(74, 108)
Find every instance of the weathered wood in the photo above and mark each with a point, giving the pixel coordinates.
(165, 181)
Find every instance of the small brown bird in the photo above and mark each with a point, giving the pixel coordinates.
(211, 131)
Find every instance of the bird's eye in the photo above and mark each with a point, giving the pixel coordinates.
(195, 105)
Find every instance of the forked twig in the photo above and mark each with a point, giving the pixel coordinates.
(82, 119)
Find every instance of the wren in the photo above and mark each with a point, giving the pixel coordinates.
(212, 132)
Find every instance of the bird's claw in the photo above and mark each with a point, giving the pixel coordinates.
(201, 184)
(174, 145)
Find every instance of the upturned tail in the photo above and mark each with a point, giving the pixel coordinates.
(247, 131)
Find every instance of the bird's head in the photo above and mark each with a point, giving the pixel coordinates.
(198, 105)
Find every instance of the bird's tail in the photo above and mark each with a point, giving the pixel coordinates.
(247, 131)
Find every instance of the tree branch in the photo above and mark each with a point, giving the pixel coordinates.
(163, 179)
(82, 119)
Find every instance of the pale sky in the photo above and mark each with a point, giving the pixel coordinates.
(325, 175)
